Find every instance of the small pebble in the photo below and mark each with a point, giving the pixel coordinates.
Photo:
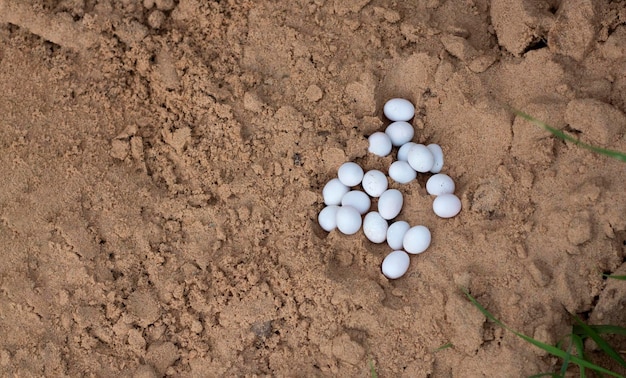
(399, 109)
(416, 239)
(328, 218)
(447, 205)
(395, 234)
(400, 133)
(357, 199)
(333, 191)
(348, 220)
(395, 264)
(350, 174)
(403, 151)
(380, 144)
(375, 227)
(374, 183)
(420, 158)
(401, 172)
(440, 184)
(390, 203)
(437, 152)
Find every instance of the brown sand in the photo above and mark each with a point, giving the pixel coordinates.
(163, 163)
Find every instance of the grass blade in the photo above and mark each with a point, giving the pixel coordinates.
(601, 329)
(548, 348)
(623, 278)
(600, 342)
(610, 153)
(580, 349)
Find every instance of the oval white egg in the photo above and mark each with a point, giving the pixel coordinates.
(327, 218)
(380, 144)
(390, 203)
(420, 158)
(401, 172)
(375, 227)
(399, 109)
(447, 205)
(416, 239)
(400, 132)
(348, 220)
(395, 264)
(395, 234)
(403, 151)
(440, 184)
(438, 157)
(357, 199)
(350, 174)
(374, 183)
(333, 192)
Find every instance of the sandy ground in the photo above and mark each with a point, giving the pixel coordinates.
(163, 160)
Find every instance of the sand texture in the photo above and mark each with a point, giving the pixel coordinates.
(162, 163)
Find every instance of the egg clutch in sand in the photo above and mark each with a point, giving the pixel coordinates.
(348, 208)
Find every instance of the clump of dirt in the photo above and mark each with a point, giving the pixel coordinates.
(164, 163)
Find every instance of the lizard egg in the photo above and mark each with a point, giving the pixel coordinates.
(348, 220)
(375, 227)
(399, 109)
(333, 192)
(374, 183)
(395, 264)
(438, 156)
(395, 234)
(350, 174)
(416, 240)
(401, 172)
(390, 203)
(358, 200)
(447, 205)
(440, 184)
(380, 144)
(400, 132)
(420, 158)
(403, 151)
(328, 218)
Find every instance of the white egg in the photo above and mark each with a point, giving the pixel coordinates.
(348, 220)
(328, 218)
(440, 184)
(357, 199)
(380, 144)
(420, 158)
(400, 132)
(447, 205)
(390, 203)
(401, 172)
(374, 183)
(403, 151)
(395, 234)
(399, 109)
(350, 174)
(438, 156)
(416, 239)
(395, 264)
(333, 192)
(375, 227)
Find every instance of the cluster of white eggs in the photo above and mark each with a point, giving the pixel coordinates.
(345, 206)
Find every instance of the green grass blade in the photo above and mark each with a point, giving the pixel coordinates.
(601, 329)
(567, 358)
(580, 349)
(444, 346)
(548, 348)
(606, 348)
(610, 153)
(373, 373)
(623, 278)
